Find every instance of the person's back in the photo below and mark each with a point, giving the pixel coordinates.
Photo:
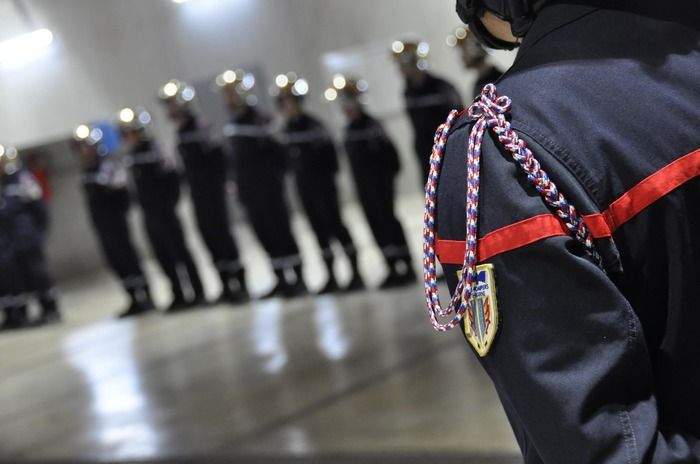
(593, 366)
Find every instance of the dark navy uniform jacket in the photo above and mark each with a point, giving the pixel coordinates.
(21, 202)
(594, 366)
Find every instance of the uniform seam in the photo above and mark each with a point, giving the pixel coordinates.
(630, 438)
(564, 158)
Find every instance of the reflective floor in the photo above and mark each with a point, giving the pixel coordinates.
(356, 378)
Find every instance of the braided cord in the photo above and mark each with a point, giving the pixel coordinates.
(489, 111)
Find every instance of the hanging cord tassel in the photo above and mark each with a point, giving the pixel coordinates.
(489, 111)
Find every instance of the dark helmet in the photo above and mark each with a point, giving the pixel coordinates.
(519, 13)
(177, 91)
(463, 38)
(290, 85)
(348, 88)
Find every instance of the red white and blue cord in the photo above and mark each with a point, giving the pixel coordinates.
(489, 111)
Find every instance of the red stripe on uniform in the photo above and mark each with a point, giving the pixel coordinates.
(602, 225)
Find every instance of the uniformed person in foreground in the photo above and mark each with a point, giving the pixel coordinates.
(314, 162)
(474, 58)
(585, 309)
(158, 191)
(259, 169)
(23, 205)
(375, 164)
(105, 184)
(428, 98)
(206, 173)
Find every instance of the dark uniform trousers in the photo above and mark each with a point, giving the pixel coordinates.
(314, 161)
(375, 164)
(259, 169)
(28, 222)
(427, 104)
(109, 207)
(206, 173)
(158, 191)
(12, 299)
(591, 365)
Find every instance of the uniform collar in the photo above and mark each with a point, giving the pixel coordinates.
(551, 18)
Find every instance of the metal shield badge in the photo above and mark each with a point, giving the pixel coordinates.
(482, 318)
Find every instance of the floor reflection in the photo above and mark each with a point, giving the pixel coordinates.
(331, 337)
(118, 400)
(266, 336)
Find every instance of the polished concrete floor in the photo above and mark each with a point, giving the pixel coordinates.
(358, 378)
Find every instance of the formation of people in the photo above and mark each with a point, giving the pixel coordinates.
(122, 163)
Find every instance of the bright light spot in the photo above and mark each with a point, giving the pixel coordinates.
(25, 47)
(11, 153)
(362, 85)
(331, 95)
(423, 49)
(451, 41)
(339, 82)
(126, 115)
(229, 76)
(82, 132)
(301, 87)
(144, 117)
(179, 1)
(398, 47)
(170, 89)
(248, 81)
(2, 151)
(188, 94)
(461, 33)
(281, 80)
(96, 134)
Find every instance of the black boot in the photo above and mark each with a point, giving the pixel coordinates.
(298, 287)
(49, 309)
(179, 303)
(141, 303)
(278, 289)
(15, 318)
(331, 285)
(234, 288)
(356, 282)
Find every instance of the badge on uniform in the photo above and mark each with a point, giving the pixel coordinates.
(481, 320)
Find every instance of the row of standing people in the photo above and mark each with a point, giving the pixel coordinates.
(260, 159)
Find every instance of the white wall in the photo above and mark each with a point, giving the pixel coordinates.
(110, 53)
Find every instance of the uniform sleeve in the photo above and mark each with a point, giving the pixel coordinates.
(569, 361)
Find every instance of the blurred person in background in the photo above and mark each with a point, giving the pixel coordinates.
(26, 219)
(429, 99)
(158, 191)
(35, 164)
(13, 302)
(474, 58)
(259, 169)
(105, 184)
(206, 173)
(375, 164)
(313, 160)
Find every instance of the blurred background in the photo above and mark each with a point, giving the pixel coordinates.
(345, 369)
